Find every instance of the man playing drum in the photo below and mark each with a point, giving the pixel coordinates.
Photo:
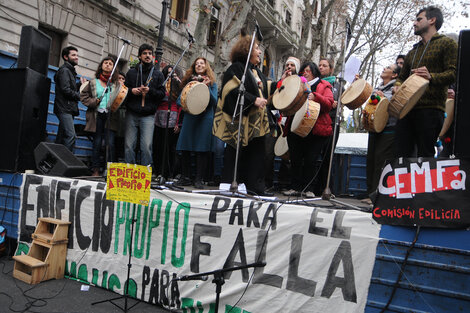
(433, 58)
(146, 91)
(381, 145)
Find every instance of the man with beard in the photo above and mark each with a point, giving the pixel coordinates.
(67, 96)
(146, 91)
(433, 58)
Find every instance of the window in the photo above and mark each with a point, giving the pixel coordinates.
(288, 18)
(56, 44)
(271, 2)
(315, 10)
(214, 27)
(179, 10)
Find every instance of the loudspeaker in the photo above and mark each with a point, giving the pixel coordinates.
(57, 160)
(462, 96)
(23, 117)
(34, 49)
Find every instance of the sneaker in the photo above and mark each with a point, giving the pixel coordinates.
(290, 193)
(309, 194)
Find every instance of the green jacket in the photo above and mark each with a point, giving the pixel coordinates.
(440, 58)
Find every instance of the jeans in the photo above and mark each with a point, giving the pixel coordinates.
(97, 140)
(146, 126)
(66, 131)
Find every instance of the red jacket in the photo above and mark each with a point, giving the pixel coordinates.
(324, 96)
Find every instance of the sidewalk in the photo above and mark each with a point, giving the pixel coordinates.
(63, 295)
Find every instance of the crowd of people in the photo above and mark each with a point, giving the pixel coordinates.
(171, 138)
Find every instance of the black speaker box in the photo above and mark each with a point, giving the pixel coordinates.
(462, 96)
(34, 49)
(57, 160)
(23, 107)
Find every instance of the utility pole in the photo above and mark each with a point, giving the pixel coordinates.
(161, 32)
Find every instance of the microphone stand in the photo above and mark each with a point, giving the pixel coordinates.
(326, 195)
(219, 278)
(241, 102)
(129, 265)
(161, 179)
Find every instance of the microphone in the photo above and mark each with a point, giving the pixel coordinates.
(258, 32)
(192, 277)
(125, 40)
(190, 37)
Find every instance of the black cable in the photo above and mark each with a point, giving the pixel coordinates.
(402, 268)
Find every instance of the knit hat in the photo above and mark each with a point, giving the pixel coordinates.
(296, 63)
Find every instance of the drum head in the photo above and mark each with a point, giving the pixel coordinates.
(299, 116)
(449, 118)
(288, 91)
(381, 115)
(353, 91)
(198, 98)
(281, 147)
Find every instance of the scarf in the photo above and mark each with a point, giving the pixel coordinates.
(104, 77)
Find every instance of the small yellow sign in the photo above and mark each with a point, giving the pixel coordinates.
(129, 183)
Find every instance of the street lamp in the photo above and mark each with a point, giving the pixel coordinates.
(159, 49)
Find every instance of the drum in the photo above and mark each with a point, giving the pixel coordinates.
(356, 94)
(122, 94)
(281, 148)
(449, 118)
(291, 95)
(375, 116)
(305, 118)
(195, 97)
(407, 96)
(82, 86)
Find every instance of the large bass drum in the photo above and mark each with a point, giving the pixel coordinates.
(195, 97)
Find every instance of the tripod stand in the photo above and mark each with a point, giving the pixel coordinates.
(218, 278)
(129, 265)
(161, 179)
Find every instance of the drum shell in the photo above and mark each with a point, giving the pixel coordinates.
(375, 116)
(450, 107)
(303, 125)
(122, 94)
(296, 97)
(192, 103)
(362, 91)
(407, 96)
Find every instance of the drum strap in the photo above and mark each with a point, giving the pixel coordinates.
(421, 58)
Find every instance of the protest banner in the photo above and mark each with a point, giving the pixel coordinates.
(317, 260)
(426, 192)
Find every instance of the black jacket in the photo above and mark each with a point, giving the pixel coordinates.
(153, 97)
(67, 92)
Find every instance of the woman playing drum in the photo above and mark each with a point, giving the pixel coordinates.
(305, 150)
(196, 132)
(98, 108)
(255, 124)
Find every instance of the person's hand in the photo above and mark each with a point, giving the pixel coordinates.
(356, 77)
(335, 104)
(144, 89)
(450, 93)
(379, 93)
(83, 80)
(422, 71)
(286, 74)
(260, 102)
(206, 80)
(311, 96)
(136, 91)
(98, 100)
(395, 89)
(176, 129)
